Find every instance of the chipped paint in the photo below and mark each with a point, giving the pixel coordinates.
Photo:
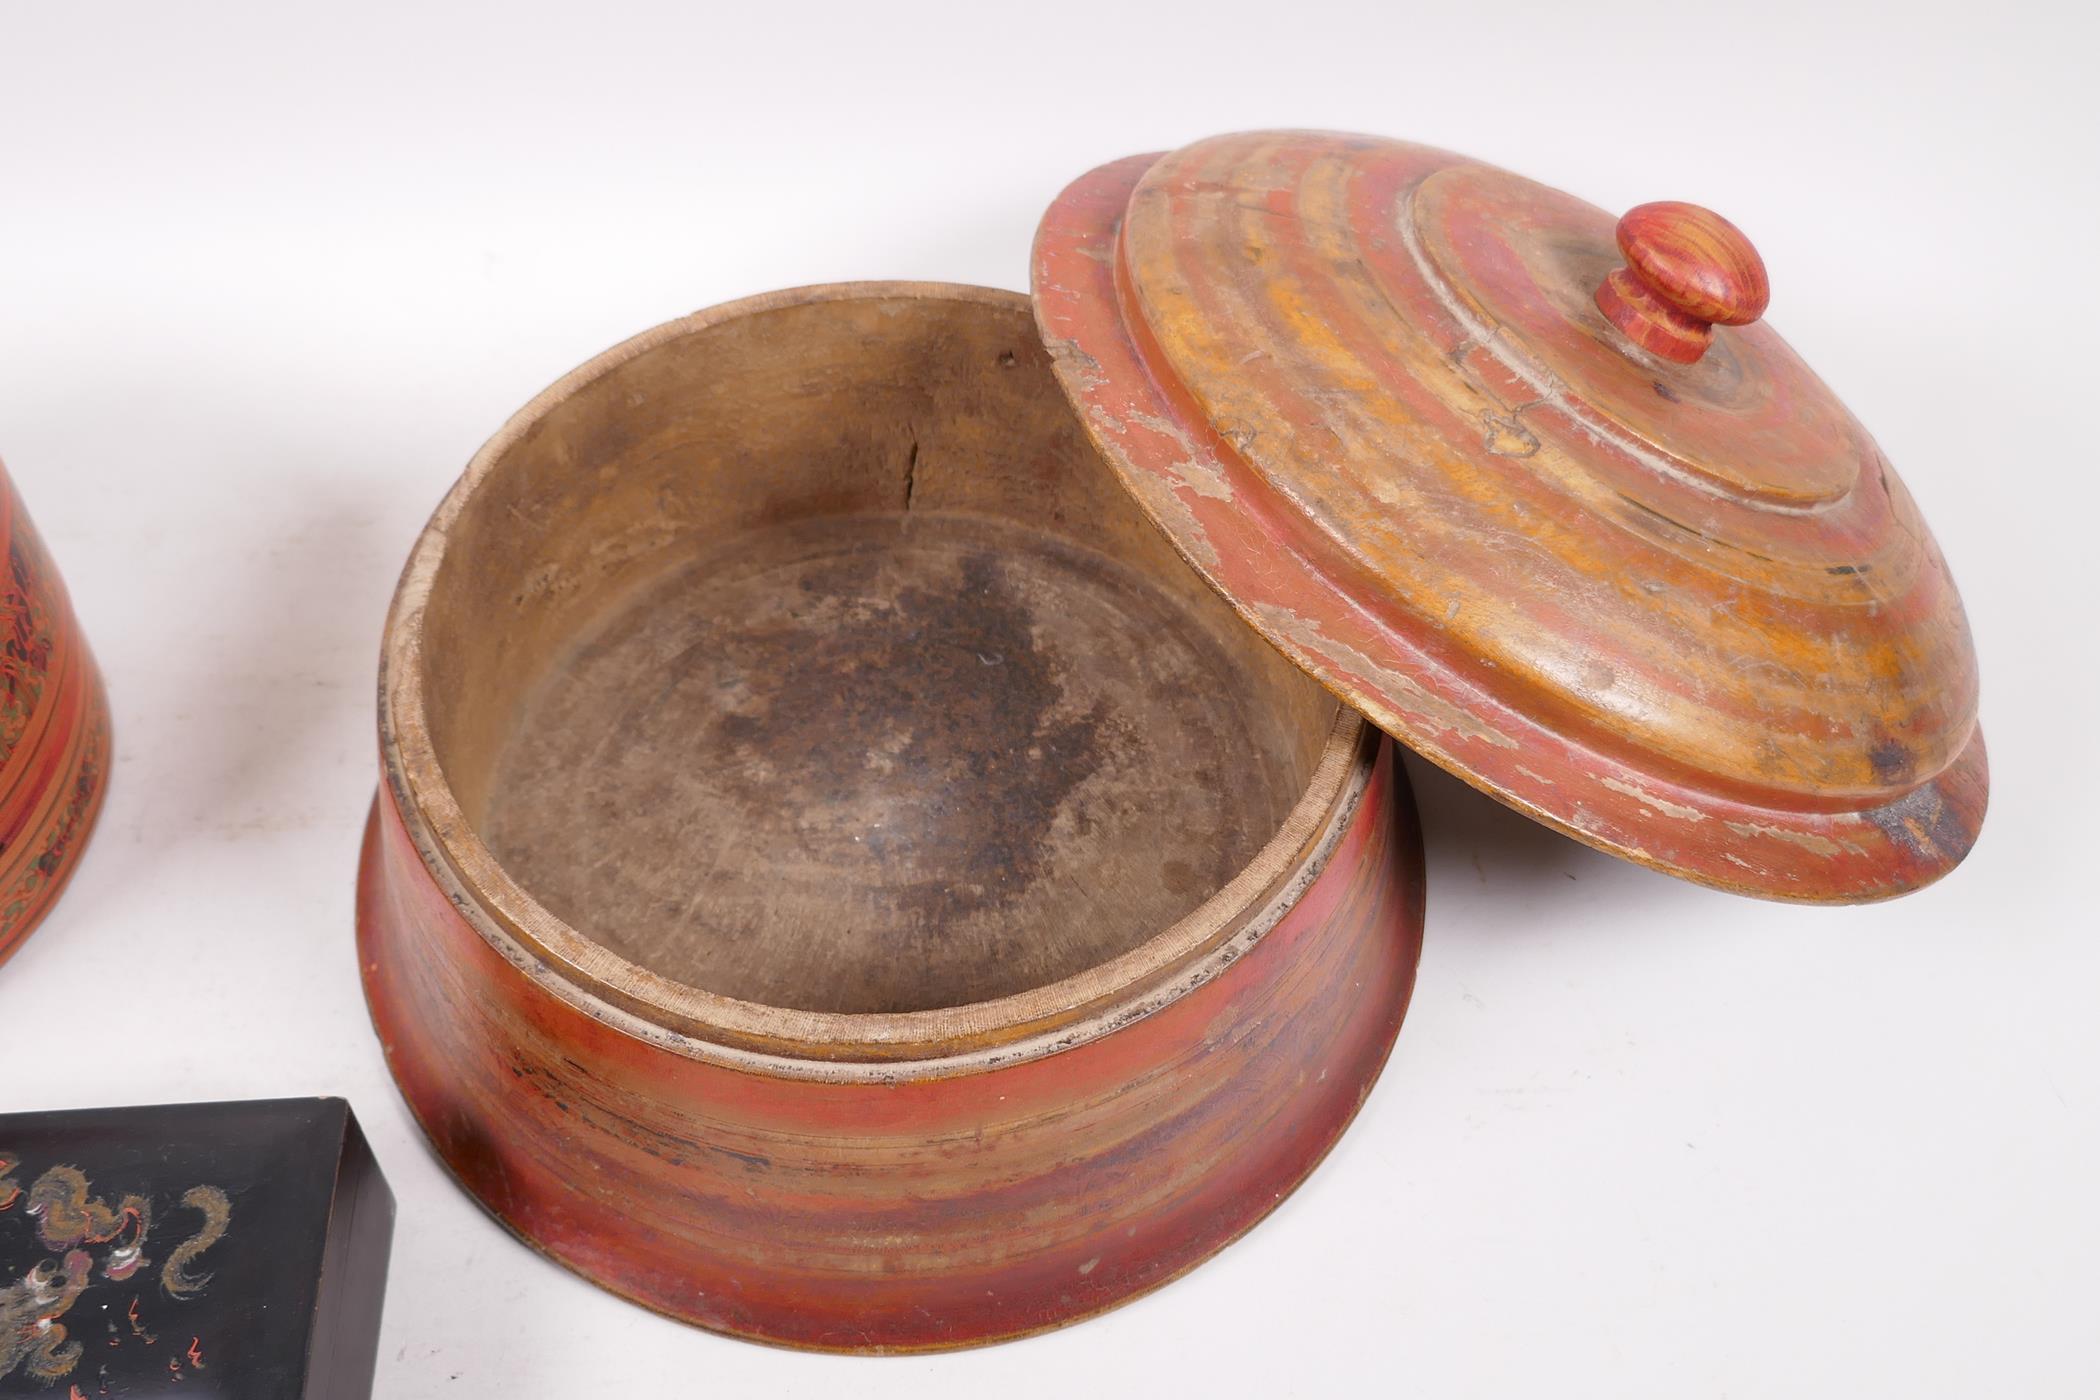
(1434, 712)
(1659, 804)
(1806, 840)
(1922, 824)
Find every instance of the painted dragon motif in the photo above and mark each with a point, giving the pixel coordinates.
(86, 1237)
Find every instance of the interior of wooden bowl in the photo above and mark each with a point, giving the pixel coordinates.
(811, 657)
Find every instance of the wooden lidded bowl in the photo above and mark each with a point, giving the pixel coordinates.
(54, 730)
(840, 878)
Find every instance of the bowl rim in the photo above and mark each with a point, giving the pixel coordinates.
(698, 1024)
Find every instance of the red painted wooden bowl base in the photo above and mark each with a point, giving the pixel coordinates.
(927, 1213)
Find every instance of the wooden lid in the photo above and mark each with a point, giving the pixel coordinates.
(1534, 490)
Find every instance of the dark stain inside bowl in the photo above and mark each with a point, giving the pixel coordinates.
(883, 763)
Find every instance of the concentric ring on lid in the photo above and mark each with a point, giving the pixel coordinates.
(1683, 611)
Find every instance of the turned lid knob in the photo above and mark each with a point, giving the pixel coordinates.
(1687, 271)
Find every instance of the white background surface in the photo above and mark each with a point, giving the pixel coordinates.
(267, 279)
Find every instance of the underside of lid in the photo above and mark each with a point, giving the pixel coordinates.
(1682, 611)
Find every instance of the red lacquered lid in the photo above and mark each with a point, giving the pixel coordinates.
(1536, 491)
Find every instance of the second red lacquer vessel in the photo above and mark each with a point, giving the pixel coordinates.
(54, 730)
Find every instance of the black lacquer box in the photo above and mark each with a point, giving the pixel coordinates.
(229, 1250)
